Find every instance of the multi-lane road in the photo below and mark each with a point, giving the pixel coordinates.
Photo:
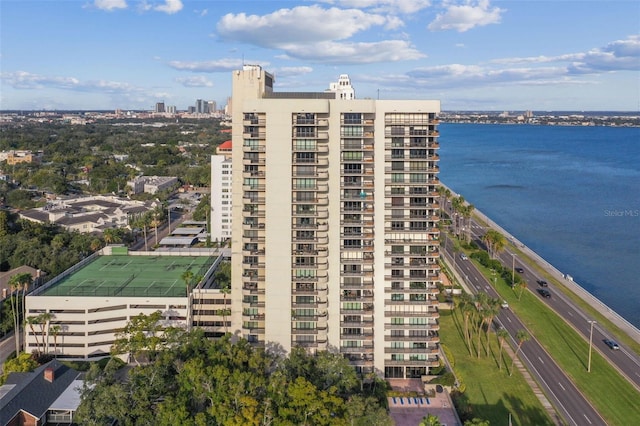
(570, 403)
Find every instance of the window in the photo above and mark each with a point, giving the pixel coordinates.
(397, 297)
(352, 168)
(352, 156)
(352, 118)
(397, 321)
(305, 145)
(305, 157)
(306, 183)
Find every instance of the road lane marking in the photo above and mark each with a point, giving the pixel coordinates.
(541, 360)
(585, 416)
(560, 384)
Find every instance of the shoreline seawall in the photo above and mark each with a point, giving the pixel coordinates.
(566, 281)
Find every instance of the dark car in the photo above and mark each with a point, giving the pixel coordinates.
(542, 283)
(520, 270)
(612, 344)
(544, 293)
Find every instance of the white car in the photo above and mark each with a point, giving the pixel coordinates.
(504, 304)
(463, 256)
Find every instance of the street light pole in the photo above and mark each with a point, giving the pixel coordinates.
(590, 340)
(513, 267)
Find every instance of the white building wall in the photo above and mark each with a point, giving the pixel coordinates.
(89, 324)
(221, 200)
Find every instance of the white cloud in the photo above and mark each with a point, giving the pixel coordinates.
(319, 35)
(385, 6)
(354, 53)
(220, 65)
(464, 17)
(619, 55)
(26, 80)
(292, 71)
(195, 81)
(170, 7)
(304, 24)
(110, 4)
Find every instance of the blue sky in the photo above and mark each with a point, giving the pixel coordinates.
(469, 54)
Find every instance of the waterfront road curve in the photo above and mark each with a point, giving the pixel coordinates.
(565, 396)
(625, 360)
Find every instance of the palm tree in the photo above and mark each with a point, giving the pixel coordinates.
(31, 322)
(430, 420)
(111, 236)
(522, 285)
(466, 214)
(15, 288)
(467, 307)
(521, 336)
(154, 223)
(44, 319)
(187, 276)
(55, 330)
(481, 305)
(502, 336)
(17, 283)
(492, 309)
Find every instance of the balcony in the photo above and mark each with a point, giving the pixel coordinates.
(412, 314)
(434, 339)
(254, 148)
(427, 351)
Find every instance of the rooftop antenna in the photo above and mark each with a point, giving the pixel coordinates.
(378, 94)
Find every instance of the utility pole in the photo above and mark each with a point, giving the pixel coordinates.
(590, 340)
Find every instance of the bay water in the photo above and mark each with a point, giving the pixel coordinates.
(570, 193)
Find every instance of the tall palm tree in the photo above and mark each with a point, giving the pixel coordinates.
(521, 336)
(155, 223)
(31, 322)
(492, 309)
(55, 330)
(481, 305)
(502, 336)
(467, 307)
(19, 283)
(522, 285)
(44, 320)
(187, 276)
(15, 287)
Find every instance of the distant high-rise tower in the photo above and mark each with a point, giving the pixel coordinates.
(202, 107)
(160, 107)
(335, 224)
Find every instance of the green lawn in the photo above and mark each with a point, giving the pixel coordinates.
(612, 395)
(490, 394)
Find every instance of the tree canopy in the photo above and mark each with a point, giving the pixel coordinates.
(192, 380)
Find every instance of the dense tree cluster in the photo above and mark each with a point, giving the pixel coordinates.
(107, 155)
(192, 380)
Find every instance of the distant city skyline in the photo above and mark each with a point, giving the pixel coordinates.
(471, 55)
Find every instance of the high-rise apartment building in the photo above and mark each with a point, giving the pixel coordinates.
(221, 200)
(335, 213)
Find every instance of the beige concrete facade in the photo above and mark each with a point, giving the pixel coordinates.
(335, 238)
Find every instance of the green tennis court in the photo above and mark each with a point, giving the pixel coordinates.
(130, 276)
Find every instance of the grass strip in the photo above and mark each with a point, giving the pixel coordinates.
(611, 394)
(491, 394)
